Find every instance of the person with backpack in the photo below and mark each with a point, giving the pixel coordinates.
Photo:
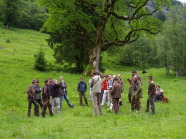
(82, 88)
(96, 91)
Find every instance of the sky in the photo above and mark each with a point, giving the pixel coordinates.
(184, 1)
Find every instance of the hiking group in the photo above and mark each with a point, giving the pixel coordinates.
(101, 90)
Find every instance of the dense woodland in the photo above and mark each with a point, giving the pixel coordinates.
(150, 34)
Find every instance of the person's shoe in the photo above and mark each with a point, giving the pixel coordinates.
(72, 106)
(146, 110)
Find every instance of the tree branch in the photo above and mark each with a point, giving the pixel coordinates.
(127, 38)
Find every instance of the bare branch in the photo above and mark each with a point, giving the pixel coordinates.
(127, 38)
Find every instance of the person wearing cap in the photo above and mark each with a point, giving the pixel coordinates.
(151, 95)
(96, 91)
(31, 100)
(45, 99)
(135, 98)
(105, 88)
(116, 94)
(63, 93)
(37, 97)
(82, 88)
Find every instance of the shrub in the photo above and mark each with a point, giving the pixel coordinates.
(40, 61)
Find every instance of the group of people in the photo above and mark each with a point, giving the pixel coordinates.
(101, 90)
(52, 96)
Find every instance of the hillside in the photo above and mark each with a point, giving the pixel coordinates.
(17, 50)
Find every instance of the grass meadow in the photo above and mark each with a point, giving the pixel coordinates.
(16, 72)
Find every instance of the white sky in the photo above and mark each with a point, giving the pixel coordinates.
(184, 1)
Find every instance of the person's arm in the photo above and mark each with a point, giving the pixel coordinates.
(92, 83)
(112, 90)
(151, 89)
(78, 87)
(122, 83)
(138, 87)
(161, 91)
(86, 86)
(30, 91)
(64, 85)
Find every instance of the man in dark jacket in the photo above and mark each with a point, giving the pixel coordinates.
(151, 95)
(54, 92)
(31, 94)
(63, 93)
(82, 88)
(116, 95)
(37, 97)
(45, 99)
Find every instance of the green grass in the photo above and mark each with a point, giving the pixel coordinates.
(16, 73)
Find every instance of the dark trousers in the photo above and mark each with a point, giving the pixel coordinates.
(150, 101)
(83, 95)
(135, 101)
(46, 104)
(36, 109)
(30, 102)
(130, 94)
(115, 102)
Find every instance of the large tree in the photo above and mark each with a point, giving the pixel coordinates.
(100, 23)
(9, 11)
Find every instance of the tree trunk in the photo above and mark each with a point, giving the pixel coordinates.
(94, 55)
(7, 26)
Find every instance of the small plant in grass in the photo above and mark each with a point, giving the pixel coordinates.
(40, 61)
(8, 41)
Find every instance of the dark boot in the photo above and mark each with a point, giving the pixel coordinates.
(29, 112)
(81, 104)
(153, 110)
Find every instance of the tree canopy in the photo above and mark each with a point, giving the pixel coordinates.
(99, 23)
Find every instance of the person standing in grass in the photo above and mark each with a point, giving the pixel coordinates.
(116, 94)
(37, 97)
(55, 96)
(45, 99)
(63, 93)
(105, 88)
(90, 80)
(82, 88)
(110, 84)
(135, 98)
(31, 100)
(151, 95)
(96, 91)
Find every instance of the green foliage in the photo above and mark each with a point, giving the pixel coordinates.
(40, 61)
(23, 14)
(9, 11)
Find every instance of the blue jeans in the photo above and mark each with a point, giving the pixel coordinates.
(67, 100)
